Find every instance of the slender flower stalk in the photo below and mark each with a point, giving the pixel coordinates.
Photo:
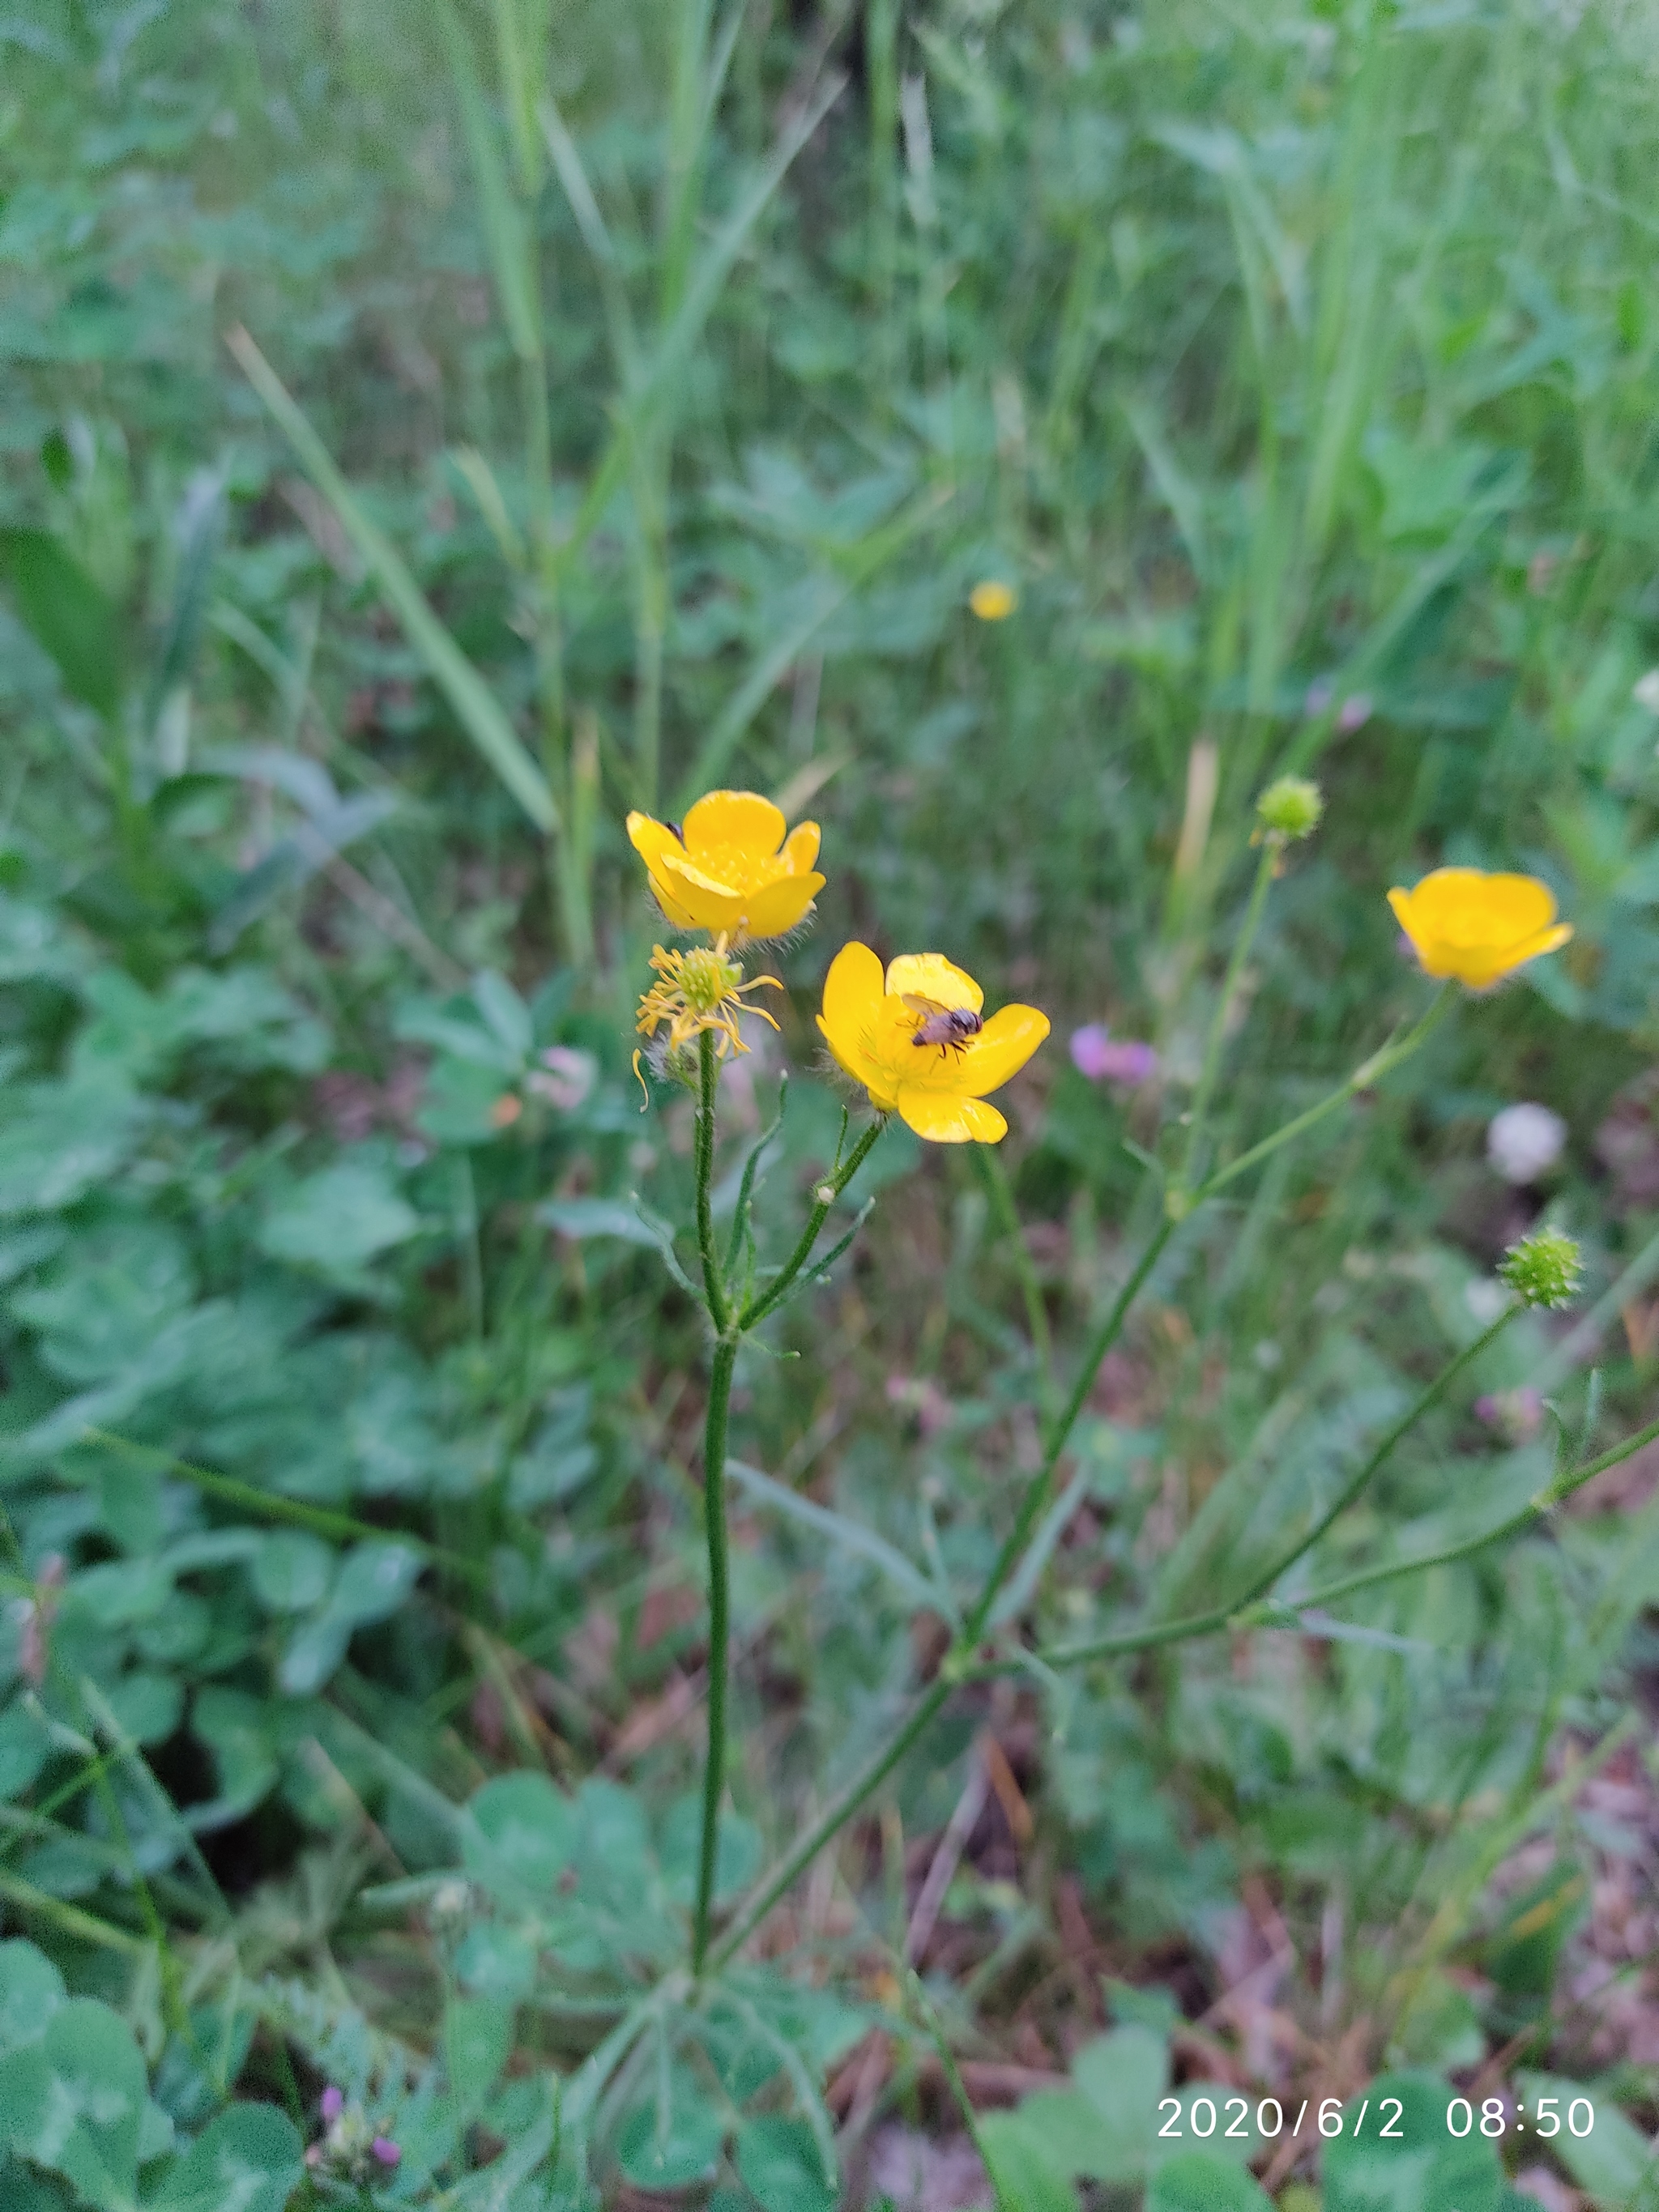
(1216, 1042)
(719, 1611)
(959, 1666)
(1218, 1617)
(1554, 1494)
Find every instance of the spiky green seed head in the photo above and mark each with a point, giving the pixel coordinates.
(1291, 807)
(1544, 1269)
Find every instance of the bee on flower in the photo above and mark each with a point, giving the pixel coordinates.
(916, 1039)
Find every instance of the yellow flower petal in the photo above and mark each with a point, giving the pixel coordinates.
(1477, 927)
(943, 1118)
(870, 1022)
(800, 849)
(1002, 1047)
(931, 975)
(725, 822)
(778, 907)
(852, 1003)
(711, 905)
(993, 600)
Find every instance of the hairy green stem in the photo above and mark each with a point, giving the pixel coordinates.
(956, 1667)
(1368, 1073)
(1205, 1623)
(828, 1192)
(708, 1076)
(1037, 1489)
(1216, 1042)
(1533, 1510)
(713, 1512)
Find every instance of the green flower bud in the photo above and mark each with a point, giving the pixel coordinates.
(1543, 1269)
(1291, 807)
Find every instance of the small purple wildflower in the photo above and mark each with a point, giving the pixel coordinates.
(1354, 712)
(386, 2150)
(1106, 1059)
(1320, 694)
(1516, 1415)
(333, 2105)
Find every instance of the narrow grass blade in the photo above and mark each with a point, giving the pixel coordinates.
(479, 711)
(505, 230)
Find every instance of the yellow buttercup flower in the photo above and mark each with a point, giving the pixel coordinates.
(993, 600)
(1477, 927)
(730, 869)
(702, 989)
(916, 1040)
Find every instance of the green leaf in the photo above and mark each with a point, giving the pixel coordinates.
(671, 2148)
(1025, 2175)
(339, 1219)
(249, 2159)
(373, 1580)
(66, 614)
(1614, 2161)
(1122, 2075)
(780, 2163)
(74, 2101)
(584, 1218)
(521, 1829)
(476, 705)
(292, 1571)
(145, 1706)
(23, 1746)
(31, 1990)
(477, 2035)
(1200, 2181)
(1420, 2167)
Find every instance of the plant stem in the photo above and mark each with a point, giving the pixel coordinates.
(1036, 1489)
(708, 1076)
(828, 1192)
(714, 1512)
(830, 1822)
(988, 1160)
(1368, 1073)
(1547, 1500)
(955, 1669)
(1216, 1042)
(1204, 1623)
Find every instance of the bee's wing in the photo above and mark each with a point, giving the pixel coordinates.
(918, 1005)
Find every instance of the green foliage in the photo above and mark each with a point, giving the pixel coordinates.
(611, 414)
(75, 2104)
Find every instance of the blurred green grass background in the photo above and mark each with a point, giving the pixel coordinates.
(1297, 367)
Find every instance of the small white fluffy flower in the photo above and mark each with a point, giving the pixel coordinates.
(1524, 1141)
(1646, 691)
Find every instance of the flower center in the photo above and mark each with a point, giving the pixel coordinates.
(707, 979)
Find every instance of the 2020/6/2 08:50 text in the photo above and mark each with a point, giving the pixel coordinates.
(1493, 2119)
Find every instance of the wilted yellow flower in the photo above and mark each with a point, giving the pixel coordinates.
(1477, 927)
(730, 870)
(914, 1039)
(993, 600)
(702, 989)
